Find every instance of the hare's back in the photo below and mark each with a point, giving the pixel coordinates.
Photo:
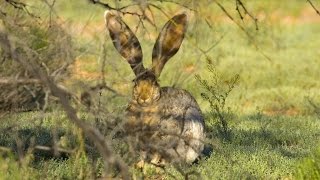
(177, 101)
(179, 106)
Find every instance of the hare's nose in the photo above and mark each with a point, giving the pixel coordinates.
(142, 101)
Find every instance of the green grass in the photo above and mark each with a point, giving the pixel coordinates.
(261, 147)
(309, 168)
(273, 126)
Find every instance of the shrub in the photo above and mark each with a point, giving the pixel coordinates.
(19, 90)
(216, 92)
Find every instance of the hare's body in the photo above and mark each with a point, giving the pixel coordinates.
(176, 119)
(166, 121)
(182, 116)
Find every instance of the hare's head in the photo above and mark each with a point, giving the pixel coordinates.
(146, 89)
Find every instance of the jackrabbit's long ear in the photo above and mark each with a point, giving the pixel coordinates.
(125, 41)
(168, 42)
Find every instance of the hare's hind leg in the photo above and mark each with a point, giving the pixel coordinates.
(143, 157)
(191, 144)
(156, 159)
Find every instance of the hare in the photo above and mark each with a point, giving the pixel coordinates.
(174, 121)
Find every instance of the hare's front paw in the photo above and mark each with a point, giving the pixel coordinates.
(140, 164)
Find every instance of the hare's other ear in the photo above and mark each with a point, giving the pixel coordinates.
(168, 42)
(125, 41)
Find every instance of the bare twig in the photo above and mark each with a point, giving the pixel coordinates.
(314, 105)
(104, 5)
(244, 30)
(240, 4)
(21, 6)
(314, 7)
(60, 150)
(19, 81)
(177, 3)
(160, 9)
(56, 152)
(20, 147)
(27, 58)
(50, 5)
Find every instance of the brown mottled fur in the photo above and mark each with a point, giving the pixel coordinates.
(168, 121)
(168, 42)
(125, 41)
